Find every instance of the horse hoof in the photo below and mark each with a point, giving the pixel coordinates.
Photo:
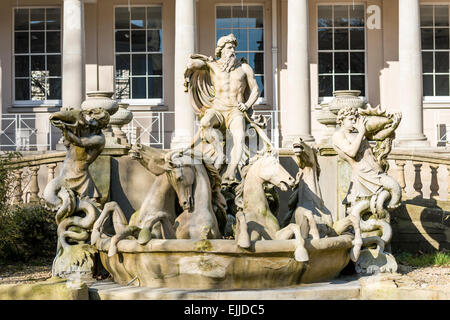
(112, 251)
(94, 237)
(244, 243)
(354, 253)
(301, 255)
(144, 236)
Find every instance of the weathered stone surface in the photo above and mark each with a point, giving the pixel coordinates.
(51, 289)
(333, 290)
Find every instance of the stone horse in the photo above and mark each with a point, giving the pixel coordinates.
(255, 221)
(306, 206)
(179, 172)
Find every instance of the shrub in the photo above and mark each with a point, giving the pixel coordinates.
(26, 231)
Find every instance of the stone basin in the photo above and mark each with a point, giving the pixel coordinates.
(221, 264)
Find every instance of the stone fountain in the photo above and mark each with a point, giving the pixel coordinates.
(210, 218)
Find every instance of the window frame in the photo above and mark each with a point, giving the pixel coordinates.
(326, 99)
(434, 99)
(35, 103)
(139, 102)
(261, 100)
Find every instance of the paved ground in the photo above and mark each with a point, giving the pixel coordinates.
(430, 279)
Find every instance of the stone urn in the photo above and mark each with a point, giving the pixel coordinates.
(326, 114)
(345, 98)
(121, 118)
(96, 99)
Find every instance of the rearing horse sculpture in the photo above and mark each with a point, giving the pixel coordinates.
(181, 171)
(255, 221)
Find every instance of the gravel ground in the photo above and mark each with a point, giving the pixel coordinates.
(430, 277)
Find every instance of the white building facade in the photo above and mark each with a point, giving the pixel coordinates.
(396, 52)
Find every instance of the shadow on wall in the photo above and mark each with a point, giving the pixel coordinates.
(420, 224)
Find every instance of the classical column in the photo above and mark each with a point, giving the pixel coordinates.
(73, 75)
(296, 114)
(184, 46)
(410, 80)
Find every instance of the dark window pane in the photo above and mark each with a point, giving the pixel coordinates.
(37, 42)
(340, 16)
(441, 38)
(428, 85)
(122, 18)
(22, 87)
(427, 62)
(155, 64)
(223, 17)
(54, 42)
(441, 16)
(357, 39)
(53, 19)
(341, 82)
(123, 88)
(54, 90)
(54, 65)
(37, 63)
(427, 38)
(122, 65)
(357, 62)
(154, 18)
(325, 39)
(325, 86)
(139, 64)
(325, 62)
(255, 40)
(255, 16)
(358, 83)
(442, 83)
(341, 62)
(21, 17)
(239, 17)
(341, 39)
(221, 33)
(260, 81)
(357, 16)
(138, 18)
(138, 88)
(324, 16)
(22, 64)
(21, 42)
(256, 61)
(426, 16)
(441, 62)
(154, 40)
(241, 36)
(122, 41)
(138, 41)
(155, 87)
(37, 19)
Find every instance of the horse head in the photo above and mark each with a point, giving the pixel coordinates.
(180, 167)
(271, 171)
(150, 158)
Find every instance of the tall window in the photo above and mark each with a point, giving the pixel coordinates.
(434, 21)
(37, 54)
(341, 39)
(138, 45)
(247, 25)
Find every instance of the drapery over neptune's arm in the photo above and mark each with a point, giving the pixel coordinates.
(252, 85)
(197, 82)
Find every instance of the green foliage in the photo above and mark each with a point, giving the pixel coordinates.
(440, 259)
(26, 231)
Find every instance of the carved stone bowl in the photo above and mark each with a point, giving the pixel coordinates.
(221, 264)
